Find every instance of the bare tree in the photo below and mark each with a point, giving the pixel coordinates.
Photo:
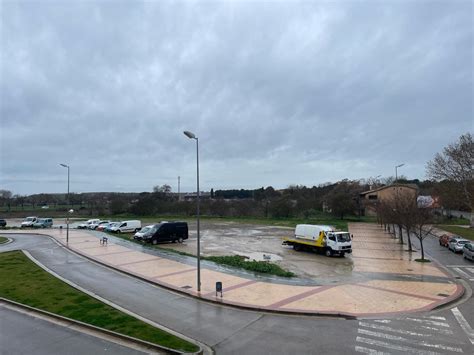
(456, 163)
(422, 218)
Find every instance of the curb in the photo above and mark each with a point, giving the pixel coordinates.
(9, 240)
(93, 330)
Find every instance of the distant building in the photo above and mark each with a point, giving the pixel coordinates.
(428, 202)
(369, 199)
(193, 196)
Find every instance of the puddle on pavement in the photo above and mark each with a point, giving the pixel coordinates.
(258, 256)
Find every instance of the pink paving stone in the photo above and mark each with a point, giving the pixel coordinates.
(355, 299)
(208, 280)
(264, 294)
(100, 250)
(128, 257)
(155, 268)
(426, 289)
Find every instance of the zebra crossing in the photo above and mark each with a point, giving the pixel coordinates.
(465, 271)
(430, 335)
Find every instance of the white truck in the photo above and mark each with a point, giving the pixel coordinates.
(321, 239)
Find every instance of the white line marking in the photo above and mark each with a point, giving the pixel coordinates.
(382, 321)
(383, 344)
(470, 269)
(465, 265)
(405, 340)
(432, 322)
(436, 317)
(458, 270)
(464, 324)
(442, 331)
(388, 329)
(361, 349)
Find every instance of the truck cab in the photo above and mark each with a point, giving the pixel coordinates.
(338, 243)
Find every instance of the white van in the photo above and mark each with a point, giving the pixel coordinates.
(87, 223)
(127, 226)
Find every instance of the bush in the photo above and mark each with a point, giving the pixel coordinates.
(257, 266)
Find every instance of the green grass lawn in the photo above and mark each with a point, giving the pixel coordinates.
(24, 282)
(3, 239)
(467, 233)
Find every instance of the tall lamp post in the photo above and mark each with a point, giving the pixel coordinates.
(68, 202)
(191, 135)
(396, 171)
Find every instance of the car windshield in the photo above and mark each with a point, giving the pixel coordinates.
(463, 242)
(145, 229)
(29, 219)
(343, 237)
(41, 220)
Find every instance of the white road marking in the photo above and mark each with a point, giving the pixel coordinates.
(405, 340)
(442, 331)
(382, 321)
(389, 329)
(470, 269)
(436, 317)
(458, 270)
(432, 322)
(383, 344)
(464, 324)
(361, 349)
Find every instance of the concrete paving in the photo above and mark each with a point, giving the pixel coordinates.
(413, 287)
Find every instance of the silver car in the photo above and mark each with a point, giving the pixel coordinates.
(468, 251)
(456, 244)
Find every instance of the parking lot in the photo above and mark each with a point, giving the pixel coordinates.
(231, 238)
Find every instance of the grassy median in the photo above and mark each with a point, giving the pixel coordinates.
(24, 282)
(3, 240)
(467, 233)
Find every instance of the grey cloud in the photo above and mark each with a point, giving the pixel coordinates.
(279, 93)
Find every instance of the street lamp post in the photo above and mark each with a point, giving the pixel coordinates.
(68, 202)
(193, 136)
(396, 171)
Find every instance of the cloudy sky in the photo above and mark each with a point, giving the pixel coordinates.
(278, 92)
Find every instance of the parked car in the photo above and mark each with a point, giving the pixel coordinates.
(43, 223)
(127, 226)
(103, 227)
(456, 244)
(111, 225)
(95, 225)
(28, 222)
(87, 223)
(444, 239)
(3, 223)
(165, 232)
(144, 231)
(468, 251)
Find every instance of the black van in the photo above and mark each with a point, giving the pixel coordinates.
(165, 232)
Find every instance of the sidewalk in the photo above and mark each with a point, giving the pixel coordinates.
(375, 253)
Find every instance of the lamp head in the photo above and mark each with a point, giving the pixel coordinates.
(189, 134)
(64, 165)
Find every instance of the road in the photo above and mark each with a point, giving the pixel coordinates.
(233, 331)
(25, 334)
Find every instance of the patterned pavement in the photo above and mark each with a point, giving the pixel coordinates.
(375, 252)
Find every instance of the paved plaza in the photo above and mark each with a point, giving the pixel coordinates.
(392, 281)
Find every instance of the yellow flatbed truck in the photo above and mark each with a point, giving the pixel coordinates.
(319, 238)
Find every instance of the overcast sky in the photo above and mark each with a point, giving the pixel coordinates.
(279, 92)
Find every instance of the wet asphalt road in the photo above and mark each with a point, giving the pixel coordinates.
(25, 334)
(234, 331)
